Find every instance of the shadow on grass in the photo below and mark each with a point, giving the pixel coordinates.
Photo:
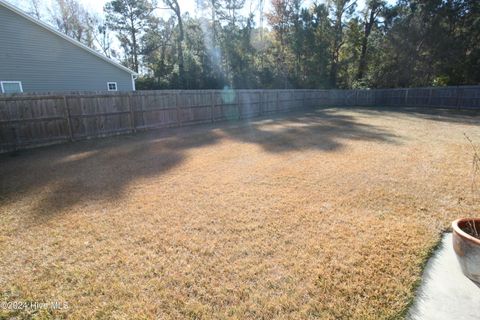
(323, 129)
(460, 116)
(69, 174)
(58, 177)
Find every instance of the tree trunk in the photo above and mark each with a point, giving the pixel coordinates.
(362, 66)
(181, 67)
(134, 46)
(173, 5)
(335, 51)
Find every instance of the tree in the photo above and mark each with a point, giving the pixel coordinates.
(372, 10)
(158, 50)
(34, 9)
(338, 8)
(231, 8)
(71, 18)
(130, 18)
(173, 5)
(214, 11)
(280, 20)
(102, 38)
(317, 47)
(414, 43)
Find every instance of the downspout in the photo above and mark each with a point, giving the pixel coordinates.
(134, 77)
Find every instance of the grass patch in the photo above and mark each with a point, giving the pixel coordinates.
(330, 214)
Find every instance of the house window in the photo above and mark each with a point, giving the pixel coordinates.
(11, 86)
(112, 86)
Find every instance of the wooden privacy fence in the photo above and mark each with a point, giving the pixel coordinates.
(34, 120)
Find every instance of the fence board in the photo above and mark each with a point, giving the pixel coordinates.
(30, 120)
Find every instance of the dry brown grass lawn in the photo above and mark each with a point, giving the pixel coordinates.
(327, 215)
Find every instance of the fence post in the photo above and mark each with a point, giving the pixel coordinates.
(132, 115)
(239, 109)
(260, 102)
(67, 116)
(457, 103)
(15, 128)
(278, 101)
(289, 100)
(212, 107)
(406, 97)
(177, 107)
(429, 103)
(142, 110)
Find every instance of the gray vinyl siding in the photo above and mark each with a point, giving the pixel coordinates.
(44, 61)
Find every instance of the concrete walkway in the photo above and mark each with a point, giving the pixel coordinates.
(445, 293)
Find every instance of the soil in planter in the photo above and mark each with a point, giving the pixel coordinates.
(472, 228)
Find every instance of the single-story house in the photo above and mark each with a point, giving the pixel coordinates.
(36, 58)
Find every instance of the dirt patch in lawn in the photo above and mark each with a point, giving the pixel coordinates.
(327, 214)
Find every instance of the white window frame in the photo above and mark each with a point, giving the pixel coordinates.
(11, 82)
(108, 86)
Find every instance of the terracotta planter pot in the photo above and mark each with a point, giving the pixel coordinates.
(467, 248)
